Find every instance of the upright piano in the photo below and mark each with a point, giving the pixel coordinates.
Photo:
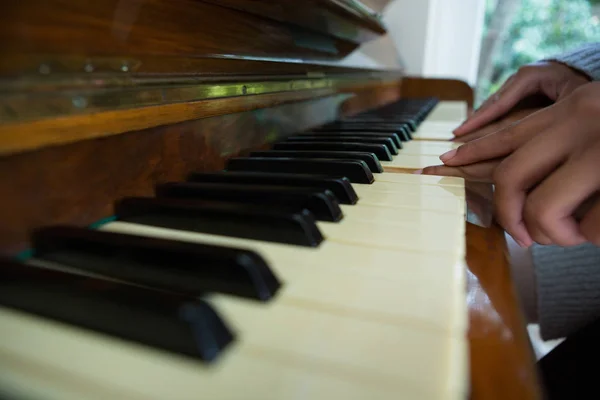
(203, 199)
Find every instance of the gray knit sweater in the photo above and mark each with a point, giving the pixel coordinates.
(568, 279)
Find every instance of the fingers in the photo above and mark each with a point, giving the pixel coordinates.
(477, 134)
(505, 122)
(500, 143)
(519, 173)
(590, 224)
(550, 208)
(479, 172)
(500, 103)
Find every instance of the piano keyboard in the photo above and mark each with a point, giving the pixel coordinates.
(307, 273)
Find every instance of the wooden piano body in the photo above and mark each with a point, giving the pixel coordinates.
(104, 100)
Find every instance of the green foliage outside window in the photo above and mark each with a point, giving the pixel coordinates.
(538, 29)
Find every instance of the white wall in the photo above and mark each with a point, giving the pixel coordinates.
(430, 38)
(453, 40)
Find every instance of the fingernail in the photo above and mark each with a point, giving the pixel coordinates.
(418, 172)
(448, 155)
(523, 244)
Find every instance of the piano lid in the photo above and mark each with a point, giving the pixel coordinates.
(64, 60)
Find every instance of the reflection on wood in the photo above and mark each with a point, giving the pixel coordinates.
(502, 360)
(192, 28)
(77, 183)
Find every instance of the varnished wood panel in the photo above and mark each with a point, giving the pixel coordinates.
(77, 183)
(31, 135)
(372, 98)
(34, 133)
(444, 89)
(155, 27)
(501, 357)
(47, 66)
(347, 20)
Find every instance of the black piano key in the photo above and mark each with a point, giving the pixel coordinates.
(411, 126)
(220, 218)
(321, 202)
(393, 135)
(180, 267)
(386, 141)
(340, 186)
(356, 171)
(364, 128)
(380, 150)
(406, 135)
(157, 319)
(369, 158)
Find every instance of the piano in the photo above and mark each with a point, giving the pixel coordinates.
(202, 200)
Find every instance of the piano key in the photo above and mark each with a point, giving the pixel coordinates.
(409, 127)
(431, 190)
(410, 162)
(322, 203)
(355, 232)
(443, 200)
(190, 269)
(403, 219)
(403, 133)
(340, 187)
(393, 135)
(350, 279)
(332, 354)
(369, 158)
(168, 322)
(386, 141)
(435, 130)
(403, 236)
(449, 111)
(355, 171)
(421, 179)
(222, 219)
(380, 150)
(430, 148)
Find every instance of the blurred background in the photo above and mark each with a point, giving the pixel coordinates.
(479, 41)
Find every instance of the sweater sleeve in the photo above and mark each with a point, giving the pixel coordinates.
(585, 59)
(568, 288)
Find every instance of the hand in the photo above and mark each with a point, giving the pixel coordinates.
(552, 79)
(482, 171)
(547, 172)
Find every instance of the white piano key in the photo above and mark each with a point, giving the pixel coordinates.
(343, 278)
(400, 217)
(410, 162)
(424, 190)
(437, 239)
(429, 148)
(420, 179)
(435, 130)
(412, 201)
(282, 352)
(449, 111)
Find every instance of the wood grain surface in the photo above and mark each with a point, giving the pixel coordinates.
(444, 89)
(77, 183)
(160, 27)
(501, 357)
(343, 19)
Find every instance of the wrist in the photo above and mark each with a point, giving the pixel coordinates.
(572, 69)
